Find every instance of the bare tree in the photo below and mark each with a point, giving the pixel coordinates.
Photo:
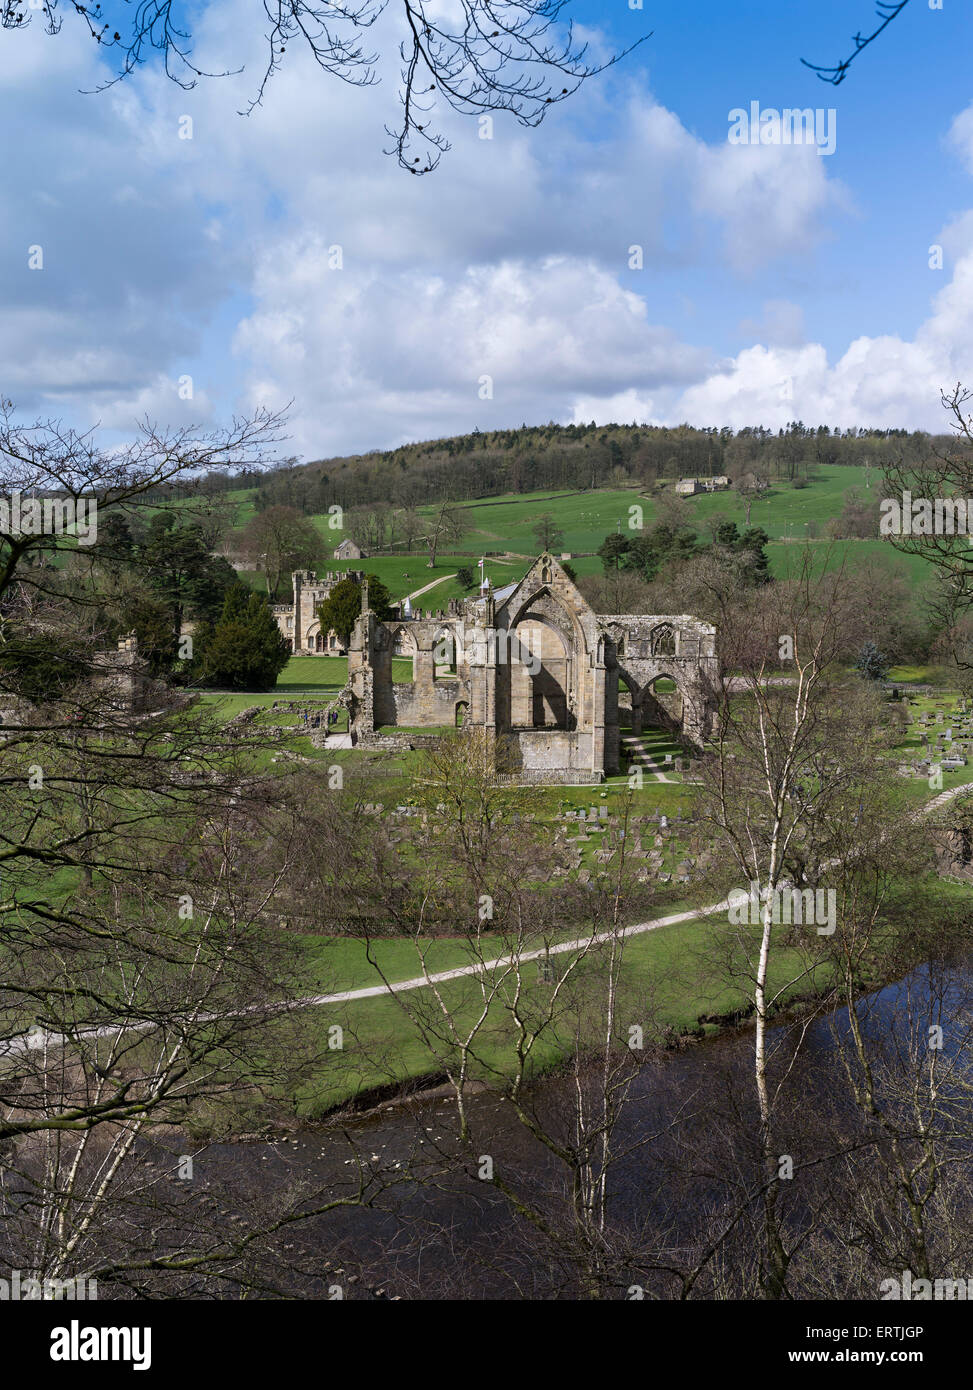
(783, 762)
(514, 56)
(887, 10)
(144, 975)
(449, 522)
(279, 540)
(547, 533)
(411, 525)
(544, 975)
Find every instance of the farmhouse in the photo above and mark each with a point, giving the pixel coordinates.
(535, 663)
(349, 550)
(688, 487)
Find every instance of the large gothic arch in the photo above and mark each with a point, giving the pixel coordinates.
(538, 684)
(538, 667)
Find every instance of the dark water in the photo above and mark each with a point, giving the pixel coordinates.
(434, 1228)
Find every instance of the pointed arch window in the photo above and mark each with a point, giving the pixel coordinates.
(664, 640)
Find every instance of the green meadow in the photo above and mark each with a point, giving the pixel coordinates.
(673, 970)
(790, 515)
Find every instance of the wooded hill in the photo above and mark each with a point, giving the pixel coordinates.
(533, 458)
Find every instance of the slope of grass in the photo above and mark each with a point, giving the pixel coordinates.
(670, 977)
(507, 523)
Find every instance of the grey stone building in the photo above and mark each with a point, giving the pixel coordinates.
(535, 663)
(298, 619)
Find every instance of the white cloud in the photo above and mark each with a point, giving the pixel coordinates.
(375, 358)
(770, 199)
(961, 136)
(510, 262)
(125, 285)
(879, 381)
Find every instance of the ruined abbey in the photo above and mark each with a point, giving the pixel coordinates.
(535, 663)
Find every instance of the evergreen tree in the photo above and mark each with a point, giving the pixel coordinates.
(611, 550)
(244, 649)
(872, 664)
(752, 545)
(341, 609)
(176, 565)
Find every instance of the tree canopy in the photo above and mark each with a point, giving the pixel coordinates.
(341, 609)
(244, 649)
(279, 540)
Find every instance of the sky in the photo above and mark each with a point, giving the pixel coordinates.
(627, 260)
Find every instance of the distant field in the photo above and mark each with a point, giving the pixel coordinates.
(786, 513)
(785, 559)
(585, 518)
(507, 522)
(404, 574)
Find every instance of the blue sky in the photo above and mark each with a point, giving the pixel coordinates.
(776, 283)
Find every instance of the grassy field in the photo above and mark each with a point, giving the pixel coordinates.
(585, 518)
(671, 977)
(311, 677)
(671, 972)
(786, 558)
(786, 513)
(405, 574)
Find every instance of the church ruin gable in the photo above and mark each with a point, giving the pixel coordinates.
(536, 665)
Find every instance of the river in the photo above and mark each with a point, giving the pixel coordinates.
(685, 1151)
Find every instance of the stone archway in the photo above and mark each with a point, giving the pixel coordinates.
(444, 654)
(662, 703)
(403, 647)
(671, 667)
(627, 703)
(542, 662)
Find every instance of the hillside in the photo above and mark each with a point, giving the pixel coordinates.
(561, 458)
(502, 528)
